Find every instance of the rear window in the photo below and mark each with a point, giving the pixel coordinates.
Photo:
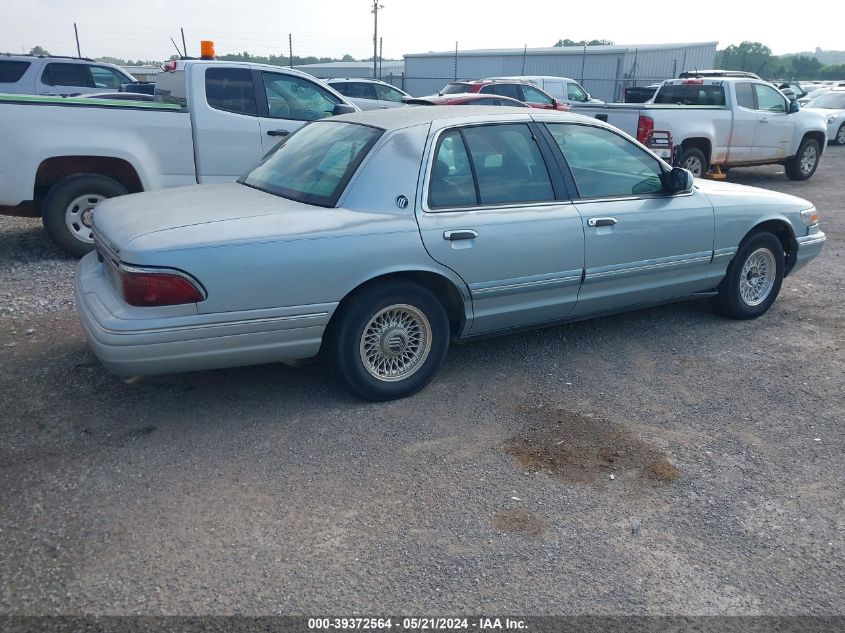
(314, 164)
(454, 89)
(12, 71)
(691, 94)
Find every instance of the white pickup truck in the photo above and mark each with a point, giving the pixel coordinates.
(211, 121)
(724, 122)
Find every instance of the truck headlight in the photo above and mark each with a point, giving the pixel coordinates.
(810, 217)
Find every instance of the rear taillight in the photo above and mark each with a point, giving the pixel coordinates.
(645, 124)
(147, 287)
(169, 67)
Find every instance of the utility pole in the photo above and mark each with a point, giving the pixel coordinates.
(76, 33)
(376, 7)
(456, 61)
(290, 49)
(380, 55)
(524, 53)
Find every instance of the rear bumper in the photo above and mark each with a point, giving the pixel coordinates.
(146, 341)
(809, 246)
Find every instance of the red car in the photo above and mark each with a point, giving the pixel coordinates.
(466, 99)
(521, 91)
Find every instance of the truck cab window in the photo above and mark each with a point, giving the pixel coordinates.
(231, 90)
(769, 99)
(291, 97)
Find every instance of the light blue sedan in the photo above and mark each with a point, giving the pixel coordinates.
(376, 238)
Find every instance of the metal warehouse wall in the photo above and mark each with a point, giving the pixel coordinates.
(604, 71)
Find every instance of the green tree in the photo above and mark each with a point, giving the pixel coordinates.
(347, 58)
(750, 56)
(568, 42)
(37, 50)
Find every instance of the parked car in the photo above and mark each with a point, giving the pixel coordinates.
(820, 91)
(831, 105)
(727, 122)
(369, 94)
(563, 89)
(217, 119)
(469, 98)
(54, 75)
(796, 88)
(519, 90)
(377, 238)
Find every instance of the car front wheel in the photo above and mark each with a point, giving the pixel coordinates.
(839, 139)
(390, 340)
(754, 277)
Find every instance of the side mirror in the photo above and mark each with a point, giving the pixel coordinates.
(679, 180)
(794, 106)
(343, 108)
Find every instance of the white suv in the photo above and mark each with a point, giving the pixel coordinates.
(50, 75)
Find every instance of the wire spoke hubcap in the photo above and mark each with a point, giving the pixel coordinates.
(78, 216)
(808, 159)
(758, 277)
(395, 343)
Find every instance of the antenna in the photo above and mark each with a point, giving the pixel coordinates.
(184, 46)
(176, 47)
(76, 33)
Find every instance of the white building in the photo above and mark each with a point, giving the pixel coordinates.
(603, 70)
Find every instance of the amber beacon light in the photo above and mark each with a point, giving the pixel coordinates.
(207, 49)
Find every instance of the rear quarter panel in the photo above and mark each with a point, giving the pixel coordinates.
(156, 143)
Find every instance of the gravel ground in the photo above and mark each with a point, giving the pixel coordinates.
(666, 461)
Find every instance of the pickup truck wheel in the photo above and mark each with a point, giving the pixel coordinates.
(754, 277)
(67, 208)
(694, 160)
(839, 139)
(804, 163)
(390, 341)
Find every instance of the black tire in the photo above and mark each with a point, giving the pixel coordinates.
(692, 156)
(839, 139)
(345, 339)
(796, 168)
(55, 209)
(730, 300)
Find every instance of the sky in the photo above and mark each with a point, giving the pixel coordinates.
(131, 29)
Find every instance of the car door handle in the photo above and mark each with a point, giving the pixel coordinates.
(765, 119)
(461, 234)
(601, 221)
(277, 132)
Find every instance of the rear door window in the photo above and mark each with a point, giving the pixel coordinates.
(231, 90)
(12, 70)
(356, 89)
(452, 184)
(504, 90)
(297, 99)
(57, 74)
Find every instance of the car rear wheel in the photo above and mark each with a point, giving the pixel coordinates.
(754, 277)
(390, 340)
(66, 211)
(693, 159)
(804, 163)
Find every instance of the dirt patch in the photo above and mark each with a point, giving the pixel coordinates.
(586, 449)
(520, 521)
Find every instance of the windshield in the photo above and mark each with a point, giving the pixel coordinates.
(829, 101)
(314, 164)
(453, 89)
